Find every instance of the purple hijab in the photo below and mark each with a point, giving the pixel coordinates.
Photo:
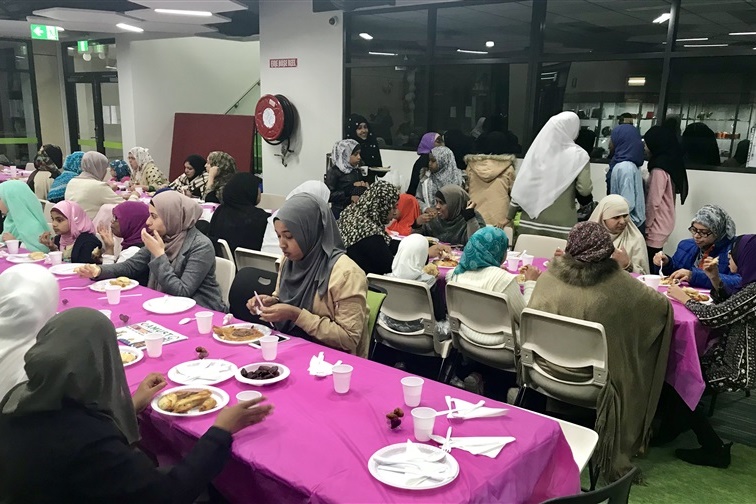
(132, 217)
(744, 255)
(427, 143)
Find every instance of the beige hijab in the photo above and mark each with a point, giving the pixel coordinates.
(179, 214)
(94, 165)
(631, 239)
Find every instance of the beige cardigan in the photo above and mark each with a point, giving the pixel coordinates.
(91, 195)
(339, 320)
(490, 179)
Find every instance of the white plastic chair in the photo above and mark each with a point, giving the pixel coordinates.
(225, 271)
(46, 207)
(256, 259)
(539, 246)
(271, 201)
(510, 235)
(225, 250)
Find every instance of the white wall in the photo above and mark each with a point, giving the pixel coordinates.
(158, 78)
(50, 95)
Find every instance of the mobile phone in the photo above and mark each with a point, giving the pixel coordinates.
(281, 338)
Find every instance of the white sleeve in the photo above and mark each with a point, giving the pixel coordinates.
(127, 254)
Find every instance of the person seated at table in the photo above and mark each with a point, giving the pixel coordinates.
(320, 292)
(120, 172)
(19, 325)
(613, 213)
(71, 169)
(344, 178)
(193, 182)
(407, 212)
(442, 171)
(363, 228)
(238, 220)
(47, 165)
(427, 143)
(145, 173)
(127, 222)
(179, 258)
(713, 231)
(24, 220)
(89, 188)
(728, 363)
(68, 433)
(313, 187)
(74, 234)
(587, 284)
(220, 168)
(454, 220)
(624, 175)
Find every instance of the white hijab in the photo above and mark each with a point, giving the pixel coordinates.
(552, 163)
(28, 299)
(631, 239)
(410, 259)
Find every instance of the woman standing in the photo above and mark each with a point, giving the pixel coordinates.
(89, 188)
(613, 213)
(71, 169)
(624, 176)
(490, 177)
(24, 220)
(455, 219)
(238, 220)
(47, 164)
(428, 142)
(193, 182)
(146, 174)
(344, 178)
(442, 171)
(220, 168)
(358, 129)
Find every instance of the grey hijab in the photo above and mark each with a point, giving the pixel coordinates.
(717, 220)
(76, 359)
(94, 166)
(312, 225)
(452, 230)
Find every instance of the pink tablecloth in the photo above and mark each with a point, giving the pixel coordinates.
(20, 175)
(315, 446)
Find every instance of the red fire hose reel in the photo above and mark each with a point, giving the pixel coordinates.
(275, 119)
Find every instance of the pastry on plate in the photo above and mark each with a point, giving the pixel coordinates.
(36, 256)
(121, 282)
(696, 295)
(231, 333)
(127, 357)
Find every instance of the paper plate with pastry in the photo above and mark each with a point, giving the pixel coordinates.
(697, 295)
(66, 269)
(240, 334)
(262, 373)
(190, 401)
(667, 281)
(202, 372)
(26, 258)
(130, 355)
(124, 283)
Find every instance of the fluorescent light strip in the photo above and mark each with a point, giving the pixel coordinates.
(467, 51)
(706, 45)
(366, 36)
(636, 81)
(179, 12)
(376, 53)
(663, 18)
(739, 34)
(700, 39)
(128, 27)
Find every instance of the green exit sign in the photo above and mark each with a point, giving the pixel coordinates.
(44, 32)
(83, 46)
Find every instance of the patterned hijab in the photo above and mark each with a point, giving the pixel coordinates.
(78, 222)
(49, 158)
(486, 248)
(121, 169)
(744, 255)
(409, 210)
(132, 218)
(142, 157)
(369, 215)
(179, 214)
(341, 152)
(589, 242)
(717, 220)
(227, 169)
(71, 169)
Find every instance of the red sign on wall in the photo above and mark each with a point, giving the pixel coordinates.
(283, 63)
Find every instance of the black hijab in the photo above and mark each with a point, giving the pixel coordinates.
(238, 220)
(667, 155)
(198, 163)
(497, 142)
(369, 151)
(700, 145)
(460, 144)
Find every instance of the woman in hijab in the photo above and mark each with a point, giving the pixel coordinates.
(320, 293)
(24, 220)
(427, 143)
(587, 284)
(89, 188)
(220, 168)
(442, 171)
(120, 171)
(344, 178)
(740, 158)
(193, 182)
(68, 432)
(47, 164)
(71, 169)
(552, 175)
(460, 144)
(666, 179)
(179, 259)
(624, 175)
(74, 234)
(455, 218)
(315, 188)
(358, 129)
(490, 176)
(129, 219)
(713, 231)
(238, 220)
(728, 363)
(363, 228)
(146, 174)
(19, 325)
(407, 212)
(613, 213)
(700, 146)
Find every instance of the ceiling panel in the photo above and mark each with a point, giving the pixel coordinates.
(156, 17)
(83, 15)
(214, 6)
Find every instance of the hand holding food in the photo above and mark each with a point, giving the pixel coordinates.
(153, 242)
(88, 271)
(438, 250)
(45, 239)
(621, 257)
(471, 205)
(558, 252)
(682, 275)
(711, 267)
(530, 273)
(678, 294)
(424, 218)
(151, 385)
(661, 259)
(243, 414)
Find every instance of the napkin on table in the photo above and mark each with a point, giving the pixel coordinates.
(319, 367)
(481, 412)
(490, 446)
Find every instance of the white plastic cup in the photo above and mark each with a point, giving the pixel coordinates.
(12, 246)
(13, 171)
(108, 259)
(153, 342)
(342, 376)
(113, 292)
(107, 313)
(652, 281)
(512, 263)
(204, 321)
(55, 257)
(248, 395)
(269, 345)
(423, 420)
(412, 386)
(527, 259)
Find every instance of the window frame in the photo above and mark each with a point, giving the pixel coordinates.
(33, 82)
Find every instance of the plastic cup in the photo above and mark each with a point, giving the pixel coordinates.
(13, 171)
(55, 257)
(139, 191)
(107, 313)
(527, 259)
(113, 292)
(153, 342)
(108, 259)
(12, 246)
(423, 420)
(204, 321)
(269, 345)
(342, 376)
(512, 263)
(412, 386)
(248, 395)
(652, 281)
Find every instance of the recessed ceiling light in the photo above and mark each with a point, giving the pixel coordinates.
(706, 45)
(376, 53)
(738, 34)
(179, 12)
(663, 18)
(60, 29)
(468, 51)
(490, 43)
(128, 27)
(700, 39)
(366, 36)
(636, 81)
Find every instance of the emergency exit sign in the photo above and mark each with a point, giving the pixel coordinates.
(82, 46)
(44, 32)
(283, 63)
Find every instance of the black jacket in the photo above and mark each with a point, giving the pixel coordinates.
(342, 188)
(83, 247)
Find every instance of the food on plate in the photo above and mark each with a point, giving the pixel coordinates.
(261, 373)
(36, 256)
(395, 418)
(520, 278)
(447, 260)
(184, 401)
(121, 282)
(431, 269)
(696, 295)
(202, 352)
(669, 281)
(431, 240)
(208, 404)
(232, 333)
(127, 357)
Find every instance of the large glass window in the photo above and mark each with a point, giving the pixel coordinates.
(18, 124)
(389, 37)
(97, 58)
(719, 27)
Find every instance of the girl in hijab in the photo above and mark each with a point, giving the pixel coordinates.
(24, 220)
(624, 175)
(89, 188)
(344, 178)
(120, 171)
(315, 188)
(74, 234)
(613, 213)
(552, 175)
(455, 218)
(238, 220)
(740, 158)
(358, 129)
(146, 174)
(18, 324)
(47, 164)
(220, 168)
(129, 219)
(713, 231)
(699, 143)
(71, 169)
(363, 228)
(407, 212)
(442, 171)
(427, 143)
(179, 259)
(666, 179)
(193, 182)
(320, 293)
(70, 429)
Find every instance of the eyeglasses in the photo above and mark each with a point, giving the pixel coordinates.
(699, 232)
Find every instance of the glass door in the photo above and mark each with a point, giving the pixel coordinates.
(86, 127)
(111, 119)
(95, 114)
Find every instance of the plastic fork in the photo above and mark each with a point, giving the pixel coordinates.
(447, 442)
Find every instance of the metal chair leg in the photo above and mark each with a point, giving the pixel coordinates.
(520, 396)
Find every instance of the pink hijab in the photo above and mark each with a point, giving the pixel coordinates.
(78, 221)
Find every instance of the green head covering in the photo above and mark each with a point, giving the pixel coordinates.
(24, 219)
(487, 247)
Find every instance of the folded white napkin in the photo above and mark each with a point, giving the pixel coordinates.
(204, 370)
(461, 407)
(319, 367)
(490, 446)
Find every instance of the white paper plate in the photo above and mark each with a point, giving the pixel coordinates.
(23, 258)
(216, 370)
(285, 372)
(132, 350)
(220, 396)
(65, 268)
(100, 286)
(398, 480)
(168, 305)
(263, 329)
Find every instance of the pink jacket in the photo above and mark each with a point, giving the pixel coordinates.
(660, 208)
